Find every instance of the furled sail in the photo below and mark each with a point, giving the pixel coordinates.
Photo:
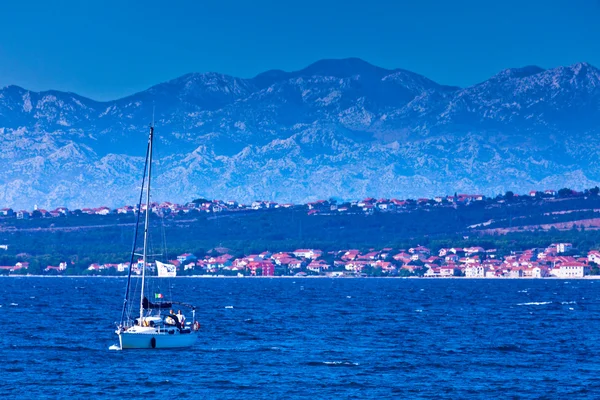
(155, 306)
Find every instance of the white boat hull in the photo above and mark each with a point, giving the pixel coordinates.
(156, 340)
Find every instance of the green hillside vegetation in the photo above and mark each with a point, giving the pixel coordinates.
(84, 239)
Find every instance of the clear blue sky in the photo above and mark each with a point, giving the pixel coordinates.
(107, 49)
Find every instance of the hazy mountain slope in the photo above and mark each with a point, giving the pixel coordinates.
(341, 128)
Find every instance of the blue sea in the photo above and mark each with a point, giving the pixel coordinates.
(310, 338)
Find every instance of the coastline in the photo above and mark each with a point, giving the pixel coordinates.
(589, 277)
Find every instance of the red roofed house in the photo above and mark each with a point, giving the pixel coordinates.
(12, 268)
(594, 256)
(447, 270)
(22, 214)
(102, 210)
(61, 267)
(6, 212)
(403, 257)
(419, 250)
(350, 255)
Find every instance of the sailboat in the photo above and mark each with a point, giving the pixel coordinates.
(155, 327)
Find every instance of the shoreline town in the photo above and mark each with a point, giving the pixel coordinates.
(559, 260)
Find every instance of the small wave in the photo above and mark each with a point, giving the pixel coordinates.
(114, 347)
(535, 303)
(348, 297)
(419, 310)
(571, 308)
(222, 382)
(164, 382)
(332, 364)
(228, 306)
(249, 320)
(342, 363)
(522, 291)
(451, 351)
(269, 348)
(54, 347)
(568, 302)
(13, 304)
(507, 348)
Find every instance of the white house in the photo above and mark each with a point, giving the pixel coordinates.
(563, 247)
(475, 271)
(432, 272)
(386, 206)
(539, 272)
(101, 211)
(307, 253)
(594, 256)
(122, 267)
(186, 257)
(572, 270)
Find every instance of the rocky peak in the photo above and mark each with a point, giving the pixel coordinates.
(518, 73)
(337, 127)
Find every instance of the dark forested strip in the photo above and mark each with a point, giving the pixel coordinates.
(85, 239)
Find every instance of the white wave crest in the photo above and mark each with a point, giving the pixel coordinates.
(535, 303)
(340, 363)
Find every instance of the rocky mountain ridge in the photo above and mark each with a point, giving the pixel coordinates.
(342, 128)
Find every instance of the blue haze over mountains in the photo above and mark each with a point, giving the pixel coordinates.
(342, 128)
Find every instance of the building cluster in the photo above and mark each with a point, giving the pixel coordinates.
(369, 205)
(555, 260)
(476, 262)
(164, 208)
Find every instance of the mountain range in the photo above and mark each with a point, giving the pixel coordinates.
(337, 128)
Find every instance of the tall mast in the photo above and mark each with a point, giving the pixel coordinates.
(147, 223)
(135, 235)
